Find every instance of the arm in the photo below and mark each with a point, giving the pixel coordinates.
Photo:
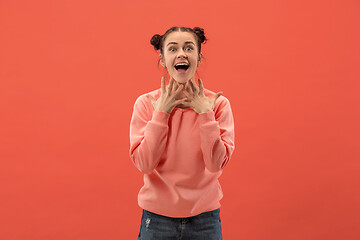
(217, 136)
(148, 136)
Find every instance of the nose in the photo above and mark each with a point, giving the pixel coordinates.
(181, 54)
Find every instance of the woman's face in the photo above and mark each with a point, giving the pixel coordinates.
(180, 47)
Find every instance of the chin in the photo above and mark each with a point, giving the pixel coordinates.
(181, 80)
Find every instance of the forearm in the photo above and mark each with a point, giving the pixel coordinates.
(217, 140)
(147, 148)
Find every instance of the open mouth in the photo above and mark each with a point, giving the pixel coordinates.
(182, 67)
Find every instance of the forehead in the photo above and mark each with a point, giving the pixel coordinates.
(180, 37)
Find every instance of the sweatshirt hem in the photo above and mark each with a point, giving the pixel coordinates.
(218, 205)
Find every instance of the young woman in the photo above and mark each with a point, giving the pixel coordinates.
(181, 137)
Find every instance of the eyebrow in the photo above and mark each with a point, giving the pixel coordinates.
(188, 42)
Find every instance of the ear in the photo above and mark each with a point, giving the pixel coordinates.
(162, 60)
(200, 58)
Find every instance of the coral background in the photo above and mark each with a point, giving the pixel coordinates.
(70, 72)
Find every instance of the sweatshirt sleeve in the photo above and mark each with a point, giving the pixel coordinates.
(148, 136)
(217, 136)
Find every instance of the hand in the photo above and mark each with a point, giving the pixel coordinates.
(167, 100)
(197, 99)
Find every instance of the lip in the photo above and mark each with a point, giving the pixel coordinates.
(182, 62)
(182, 73)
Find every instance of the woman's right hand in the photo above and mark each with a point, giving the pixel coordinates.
(167, 101)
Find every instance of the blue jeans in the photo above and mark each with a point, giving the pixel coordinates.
(205, 226)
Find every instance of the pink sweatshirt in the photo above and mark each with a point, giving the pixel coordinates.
(181, 154)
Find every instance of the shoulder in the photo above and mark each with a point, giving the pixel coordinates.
(222, 108)
(143, 102)
(143, 97)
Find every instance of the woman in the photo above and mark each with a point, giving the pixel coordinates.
(181, 137)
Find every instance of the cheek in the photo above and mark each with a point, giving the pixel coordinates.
(195, 62)
(196, 58)
(169, 61)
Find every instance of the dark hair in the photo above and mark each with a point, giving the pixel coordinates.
(158, 40)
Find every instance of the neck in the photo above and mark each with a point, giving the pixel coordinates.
(181, 95)
(185, 85)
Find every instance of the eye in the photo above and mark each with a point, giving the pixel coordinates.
(188, 48)
(172, 49)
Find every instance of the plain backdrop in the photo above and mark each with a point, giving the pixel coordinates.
(71, 70)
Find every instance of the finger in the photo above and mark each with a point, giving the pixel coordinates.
(201, 87)
(163, 89)
(183, 101)
(217, 96)
(192, 84)
(178, 90)
(171, 84)
(189, 88)
(187, 94)
(195, 85)
(175, 87)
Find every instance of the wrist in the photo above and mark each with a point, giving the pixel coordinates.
(165, 111)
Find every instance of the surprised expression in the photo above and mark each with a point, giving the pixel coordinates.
(180, 56)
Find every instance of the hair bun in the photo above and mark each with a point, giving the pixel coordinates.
(155, 41)
(200, 33)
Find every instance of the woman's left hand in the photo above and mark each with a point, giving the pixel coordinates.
(197, 99)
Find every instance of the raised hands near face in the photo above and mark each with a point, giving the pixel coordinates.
(195, 97)
(168, 99)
